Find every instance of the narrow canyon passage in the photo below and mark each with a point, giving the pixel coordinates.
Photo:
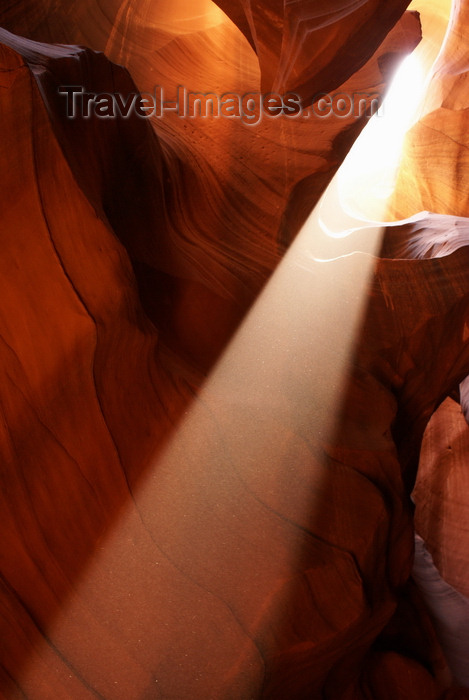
(233, 331)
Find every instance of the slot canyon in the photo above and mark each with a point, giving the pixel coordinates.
(234, 338)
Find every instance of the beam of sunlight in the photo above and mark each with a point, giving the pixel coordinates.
(367, 176)
(197, 560)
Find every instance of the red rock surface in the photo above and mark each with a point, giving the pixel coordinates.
(173, 529)
(433, 176)
(297, 43)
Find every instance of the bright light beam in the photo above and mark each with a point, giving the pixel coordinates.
(205, 557)
(367, 177)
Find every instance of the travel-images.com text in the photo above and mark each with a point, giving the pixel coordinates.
(250, 107)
